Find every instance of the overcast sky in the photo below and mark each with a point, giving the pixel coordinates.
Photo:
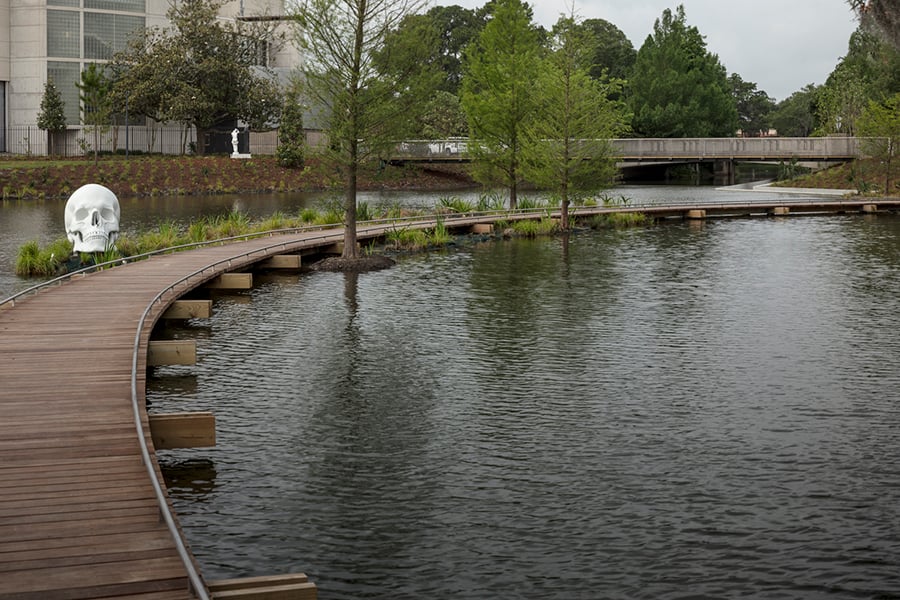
(780, 45)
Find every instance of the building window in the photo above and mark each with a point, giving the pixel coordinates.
(63, 34)
(65, 76)
(69, 3)
(136, 6)
(106, 34)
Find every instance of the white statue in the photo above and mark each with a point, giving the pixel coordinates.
(234, 140)
(92, 218)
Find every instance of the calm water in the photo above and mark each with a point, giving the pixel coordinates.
(690, 410)
(22, 221)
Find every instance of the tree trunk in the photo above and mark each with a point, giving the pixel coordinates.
(350, 250)
(564, 214)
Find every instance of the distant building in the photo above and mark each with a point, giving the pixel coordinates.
(59, 38)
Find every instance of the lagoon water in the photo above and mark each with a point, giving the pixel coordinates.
(686, 410)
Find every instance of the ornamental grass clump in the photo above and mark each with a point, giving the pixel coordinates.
(534, 227)
(34, 261)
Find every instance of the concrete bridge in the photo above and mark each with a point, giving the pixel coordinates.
(721, 153)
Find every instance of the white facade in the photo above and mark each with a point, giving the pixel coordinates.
(59, 38)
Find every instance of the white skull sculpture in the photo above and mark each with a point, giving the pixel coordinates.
(92, 218)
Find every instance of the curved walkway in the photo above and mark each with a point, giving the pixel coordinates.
(78, 514)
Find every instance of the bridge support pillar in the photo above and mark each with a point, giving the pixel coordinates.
(723, 171)
(779, 210)
(697, 213)
(870, 208)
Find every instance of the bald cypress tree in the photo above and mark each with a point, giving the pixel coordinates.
(498, 94)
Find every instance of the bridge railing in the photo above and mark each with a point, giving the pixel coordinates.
(773, 148)
(735, 148)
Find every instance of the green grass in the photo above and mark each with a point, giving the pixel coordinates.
(534, 227)
(34, 261)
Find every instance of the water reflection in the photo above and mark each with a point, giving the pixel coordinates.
(651, 413)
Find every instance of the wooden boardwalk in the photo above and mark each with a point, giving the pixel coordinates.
(79, 515)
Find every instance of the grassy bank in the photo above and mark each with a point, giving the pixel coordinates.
(26, 178)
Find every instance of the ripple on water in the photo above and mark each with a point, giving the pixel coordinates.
(672, 412)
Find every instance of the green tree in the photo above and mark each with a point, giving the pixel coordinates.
(96, 108)
(882, 16)
(869, 71)
(753, 106)
(52, 116)
(442, 117)
(678, 88)
(795, 116)
(366, 108)
(569, 152)
(498, 93)
(201, 71)
(613, 53)
(291, 137)
(456, 27)
(879, 126)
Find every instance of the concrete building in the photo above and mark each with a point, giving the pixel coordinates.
(59, 38)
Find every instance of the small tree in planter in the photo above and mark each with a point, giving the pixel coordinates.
(291, 138)
(52, 117)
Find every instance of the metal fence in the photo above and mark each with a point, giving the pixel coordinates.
(29, 140)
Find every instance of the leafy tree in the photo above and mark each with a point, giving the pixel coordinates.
(291, 137)
(96, 109)
(879, 125)
(498, 93)
(52, 116)
(882, 16)
(366, 108)
(869, 71)
(456, 27)
(613, 53)
(678, 88)
(569, 151)
(795, 116)
(442, 117)
(754, 106)
(201, 71)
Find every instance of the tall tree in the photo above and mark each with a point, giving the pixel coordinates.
(52, 116)
(201, 71)
(753, 106)
(498, 93)
(291, 137)
(678, 88)
(96, 109)
(367, 109)
(879, 126)
(569, 152)
(613, 53)
(882, 16)
(456, 26)
(869, 71)
(795, 116)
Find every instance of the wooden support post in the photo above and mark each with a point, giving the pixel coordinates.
(335, 248)
(482, 228)
(171, 352)
(279, 587)
(231, 281)
(780, 210)
(183, 430)
(281, 261)
(696, 214)
(189, 309)
(870, 208)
